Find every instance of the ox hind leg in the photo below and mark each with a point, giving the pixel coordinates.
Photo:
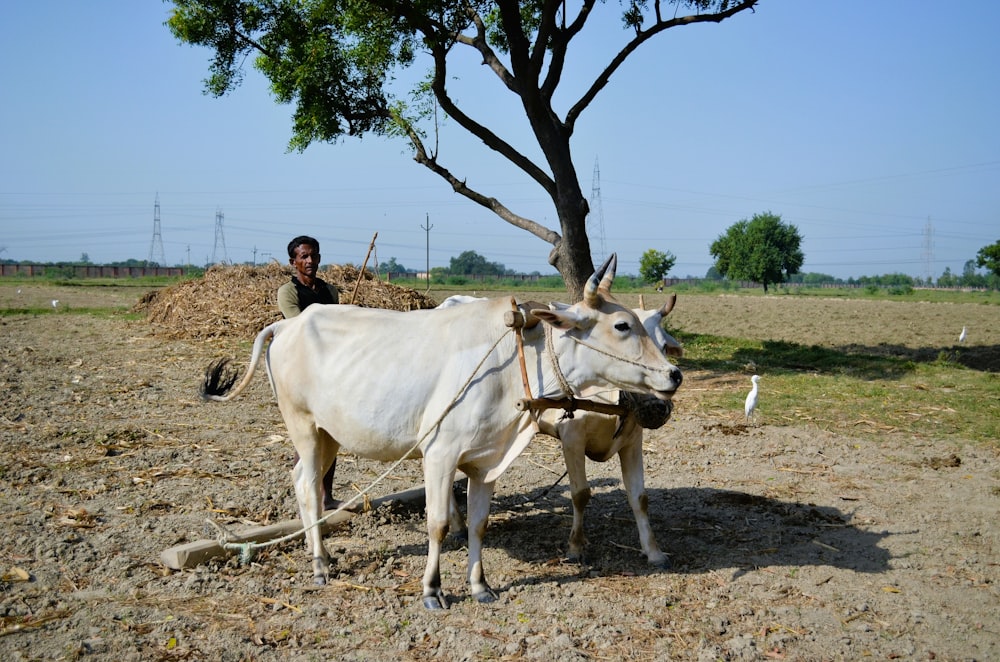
(316, 450)
(635, 487)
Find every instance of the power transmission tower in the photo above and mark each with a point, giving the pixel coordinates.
(928, 252)
(156, 247)
(219, 248)
(595, 222)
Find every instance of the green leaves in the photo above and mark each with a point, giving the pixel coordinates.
(654, 265)
(763, 250)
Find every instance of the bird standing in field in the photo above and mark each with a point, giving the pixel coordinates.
(962, 336)
(751, 403)
(55, 303)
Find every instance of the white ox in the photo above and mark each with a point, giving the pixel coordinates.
(600, 437)
(337, 372)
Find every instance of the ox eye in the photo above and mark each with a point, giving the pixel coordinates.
(623, 326)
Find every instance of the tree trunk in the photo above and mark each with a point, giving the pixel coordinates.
(571, 254)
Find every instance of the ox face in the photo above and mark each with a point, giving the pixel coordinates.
(651, 321)
(602, 341)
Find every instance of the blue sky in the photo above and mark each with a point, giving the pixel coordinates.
(864, 124)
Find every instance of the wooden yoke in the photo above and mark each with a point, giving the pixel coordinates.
(569, 404)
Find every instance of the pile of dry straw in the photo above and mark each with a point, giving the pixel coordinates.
(239, 301)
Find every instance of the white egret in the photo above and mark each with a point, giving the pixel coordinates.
(55, 302)
(751, 402)
(962, 336)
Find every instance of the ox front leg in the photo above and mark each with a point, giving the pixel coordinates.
(440, 498)
(480, 494)
(635, 487)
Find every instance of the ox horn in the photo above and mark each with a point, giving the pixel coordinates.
(668, 305)
(600, 282)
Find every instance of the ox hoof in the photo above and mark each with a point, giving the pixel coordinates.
(321, 571)
(575, 559)
(661, 563)
(485, 597)
(435, 602)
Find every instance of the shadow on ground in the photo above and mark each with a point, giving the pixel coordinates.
(868, 362)
(701, 529)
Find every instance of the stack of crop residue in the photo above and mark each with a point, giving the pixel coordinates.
(239, 301)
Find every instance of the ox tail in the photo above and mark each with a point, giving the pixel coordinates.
(220, 378)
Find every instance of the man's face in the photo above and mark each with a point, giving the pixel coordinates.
(306, 261)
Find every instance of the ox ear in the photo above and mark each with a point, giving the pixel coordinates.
(563, 320)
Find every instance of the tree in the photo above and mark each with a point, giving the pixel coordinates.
(393, 267)
(654, 265)
(339, 62)
(763, 250)
(989, 257)
(471, 262)
(713, 273)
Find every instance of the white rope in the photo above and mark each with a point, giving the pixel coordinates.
(550, 348)
(248, 549)
(606, 353)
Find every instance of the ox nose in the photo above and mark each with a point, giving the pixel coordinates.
(676, 376)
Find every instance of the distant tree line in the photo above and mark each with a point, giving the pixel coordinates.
(760, 250)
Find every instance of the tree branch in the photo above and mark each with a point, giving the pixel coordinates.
(559, 42)
(459, 186)
(490, 139)
(640, 38)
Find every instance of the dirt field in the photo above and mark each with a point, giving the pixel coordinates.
(787, 542)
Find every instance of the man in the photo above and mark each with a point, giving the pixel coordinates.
(305, 289)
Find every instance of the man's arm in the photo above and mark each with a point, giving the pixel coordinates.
(333, 291)
(288, 300)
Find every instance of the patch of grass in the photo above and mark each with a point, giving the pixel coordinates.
(848, 391)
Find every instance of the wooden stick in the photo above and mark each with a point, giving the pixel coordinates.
(191, 554)
(361, 272)
(569, 405)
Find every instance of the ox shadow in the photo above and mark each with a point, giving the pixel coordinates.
(700, 529)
